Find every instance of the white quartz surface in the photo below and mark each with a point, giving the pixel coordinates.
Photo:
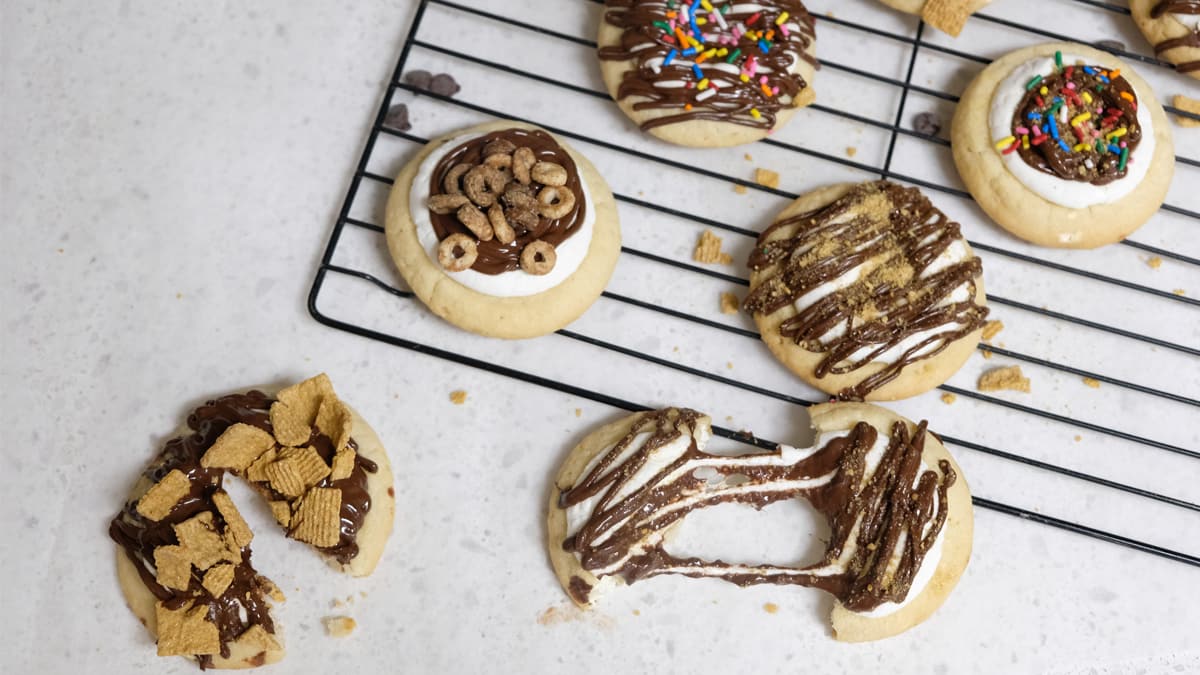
(169, 172)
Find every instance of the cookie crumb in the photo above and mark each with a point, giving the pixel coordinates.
(1186, 104)
(729, 365)
(766, 177)
(339, 626)
(637, 612)
(729, 303)
(458, 397)
(579, 412)
(1154, 263)
(740, 189)
(770, 608)
(748, 157)
(1078, 438)
(851, 151)
(986, 353)
(1092, 382)
(1007, 377)
(708, 250)
(948, 398)
(991, 329)
(1179, 291)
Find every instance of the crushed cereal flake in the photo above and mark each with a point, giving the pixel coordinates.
(1006, 378)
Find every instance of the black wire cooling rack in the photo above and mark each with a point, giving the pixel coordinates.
(370, 300)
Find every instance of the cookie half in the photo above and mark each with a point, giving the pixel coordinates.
(623, 491)
(503, 230)
(948, 16)
(708, 74)
(1063, 145)
(867, 291)
(183, 550)
(1173, 27)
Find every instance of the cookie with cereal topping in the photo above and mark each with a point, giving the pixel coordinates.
(503, 230)
(1063, 145)
(867, 292)
(1173, 27)
(708, 73)
(183, 548)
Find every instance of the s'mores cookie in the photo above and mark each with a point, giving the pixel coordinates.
(503, 230)
(183, 549)
(708, 74)
(1063, 145)
(867, 292)
(897, 505)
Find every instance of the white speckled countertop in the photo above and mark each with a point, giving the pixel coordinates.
(169, 173)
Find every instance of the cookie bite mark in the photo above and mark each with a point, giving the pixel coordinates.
(623, 492)
(867, 285)
(720, 61)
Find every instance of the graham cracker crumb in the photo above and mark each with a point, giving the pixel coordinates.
(739, 188)
(282, 512)
(766, 177)
(749, 157)
(339, 626)
(186, 631)
(986, 353)
(458, 397)
(770, 608)
(1078, 438)
(237, 448)
(1154, 262)
(1179, 291)
(235, 526)
(1187, 105)
(218, 578)
(729, 303)
(708, 250)
(258, 637)
(579, 412)
(1092, 382)
(270, 589)
(851, 151)
(164, 495)
(258, 470)
(343, 464)
(317, 520)
(948, 398)
(1007, 377)
(991, 329)
(729, 365)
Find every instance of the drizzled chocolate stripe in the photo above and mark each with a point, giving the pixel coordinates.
(1192, 39)
(675, 86)
(901, 232)
(244, 603)
(882, 524)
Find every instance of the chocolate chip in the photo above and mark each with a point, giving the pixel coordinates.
(1111, 45)
(397, 118)
(927, 123)
(443, 85)
(418, 78)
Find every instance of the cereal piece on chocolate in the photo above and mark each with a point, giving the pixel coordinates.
(289, 424)
(520, 196)
(237, 447)
(498, 162)
(235, 527)
(282, 512)
(258, 470)
(555, 202)
(270, 588)
(257, 637)
(305, 397)
(296, 470)
(444, 204)
(334, 420)
(538, 257)
(218, 578)
(483, 185)
(992, 328)
(729, 303)
(343, 464)
(173, 567)
(339, 626)
(523, 161)
(1008, 377)
(549, 174)
(451, 183)
(186, 631)
(200, 540)
(766, 178)
(500, 146)
(164, 495)
(470, 216)
(317, 520)
(504, 232)
(708, 250)
(458, 252)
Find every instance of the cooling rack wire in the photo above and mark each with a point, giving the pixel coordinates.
(1119, 462)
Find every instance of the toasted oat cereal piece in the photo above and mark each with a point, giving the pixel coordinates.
(164, 495)
(1007, 377)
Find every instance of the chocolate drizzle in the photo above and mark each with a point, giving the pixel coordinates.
(882, 521)
(675, 86)
(495, 257)
(896, 235)
(1113, 105)
(139, 536)
(1189, 40)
